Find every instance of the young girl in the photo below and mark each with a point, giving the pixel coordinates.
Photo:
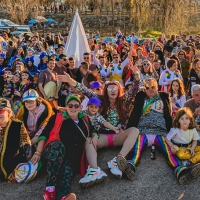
(30, 66)
(184, 135)
(8, 84)
(177, 95)
(24, 85)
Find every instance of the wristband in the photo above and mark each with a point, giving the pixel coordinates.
(38, 153)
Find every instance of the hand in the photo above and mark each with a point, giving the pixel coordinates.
(117, 130)
(121, 131)
(173, 100)
(94, 141)
(64, 92)
(35, 159)
(46, 98)
(197, 111)
(191, 151)
(17, 93)
(63, 78)
(173, 149)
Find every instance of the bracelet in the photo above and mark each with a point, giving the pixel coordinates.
(38, 153)
(97, 135)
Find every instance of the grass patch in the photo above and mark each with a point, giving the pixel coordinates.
(151, 34)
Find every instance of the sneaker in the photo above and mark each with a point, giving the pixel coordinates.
(112, 164)
(92, 176)
(70, 196)
(126, 167)
(49, 195)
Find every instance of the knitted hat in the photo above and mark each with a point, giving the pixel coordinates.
(95, 85)
(43, 54)
(94, 101)
(31, 59)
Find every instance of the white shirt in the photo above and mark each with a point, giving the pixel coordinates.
(181, 136)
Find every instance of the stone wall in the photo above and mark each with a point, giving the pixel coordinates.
(92, 21)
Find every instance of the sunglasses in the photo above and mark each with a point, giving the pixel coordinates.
(2, 111)
(29, 102)
(73, 105)
(145, 64)
(152, 87)
(86, 57)
(115, 57)
(114, 89)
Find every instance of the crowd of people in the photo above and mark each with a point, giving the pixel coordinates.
(128, 94)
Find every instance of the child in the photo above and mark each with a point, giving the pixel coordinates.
(184, 135)
(96, 119)
(8, 84)
(177, 95)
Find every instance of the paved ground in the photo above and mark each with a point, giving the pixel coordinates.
(155, 181)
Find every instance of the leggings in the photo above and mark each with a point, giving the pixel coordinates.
(142, 142)
(58, 168)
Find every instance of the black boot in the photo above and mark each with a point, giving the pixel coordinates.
(186, 174)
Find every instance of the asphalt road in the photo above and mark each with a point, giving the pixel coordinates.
(155, 181)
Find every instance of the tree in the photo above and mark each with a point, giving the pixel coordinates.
(19, 9)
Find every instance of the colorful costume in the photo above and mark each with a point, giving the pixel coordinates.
(13, 148)
(42, 120)
(166, 77)
(183, 139)
(112, 114)
(61, 163)
(17, 100)
(117, 70)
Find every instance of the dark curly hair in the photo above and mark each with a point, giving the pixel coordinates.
(180, 113)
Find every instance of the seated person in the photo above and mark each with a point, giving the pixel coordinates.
(14, 148)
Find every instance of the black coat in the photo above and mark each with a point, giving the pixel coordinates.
(138, 106)
(13, 152)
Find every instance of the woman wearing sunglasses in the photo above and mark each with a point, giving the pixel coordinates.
(34, 113)
(62, 143)
(147, 71)
(115, 110)
(14, 142)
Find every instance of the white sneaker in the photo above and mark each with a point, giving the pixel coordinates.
(92, 176)
(112, 164)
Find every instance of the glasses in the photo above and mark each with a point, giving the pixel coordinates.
(181, 54)
(64, 59)
(115, 57)
(86, 57)
(113, 88)
(151, 56)
(2, 111)
(152, 87)
(73, 105)
(146, 64)
(29, 102)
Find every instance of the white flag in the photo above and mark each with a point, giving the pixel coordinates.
(77, 43)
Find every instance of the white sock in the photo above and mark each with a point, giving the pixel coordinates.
(50, 188)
